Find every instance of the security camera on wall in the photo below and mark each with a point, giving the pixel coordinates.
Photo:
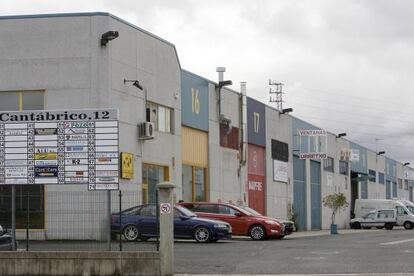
(176, 95)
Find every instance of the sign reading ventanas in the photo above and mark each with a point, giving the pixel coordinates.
(60, 147)
(315, 138)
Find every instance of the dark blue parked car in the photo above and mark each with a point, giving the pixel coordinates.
(140, 222)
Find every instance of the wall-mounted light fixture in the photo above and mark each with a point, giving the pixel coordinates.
(287, 110)
(406, 164)
(221, 84)
(135, 83)
(341, 135)
(110, 35)
(380, 152)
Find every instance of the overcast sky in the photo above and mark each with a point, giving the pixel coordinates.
(346, 65)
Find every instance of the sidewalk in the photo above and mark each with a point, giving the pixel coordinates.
(328, 232)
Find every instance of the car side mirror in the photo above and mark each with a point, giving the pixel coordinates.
(238, 214)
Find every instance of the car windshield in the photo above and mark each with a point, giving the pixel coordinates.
(250, 210)
(410, 208)
(185, 211)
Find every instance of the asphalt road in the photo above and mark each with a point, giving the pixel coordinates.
(369, 251)
(357, 251)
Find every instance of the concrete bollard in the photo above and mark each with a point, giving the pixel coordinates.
(166, 209)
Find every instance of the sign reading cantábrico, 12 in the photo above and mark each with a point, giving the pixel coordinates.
(60, 147)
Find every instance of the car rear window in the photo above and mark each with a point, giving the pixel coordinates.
(206, 208)
(226, 210)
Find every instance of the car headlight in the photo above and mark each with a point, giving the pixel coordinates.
(221, 226)
(272, 222)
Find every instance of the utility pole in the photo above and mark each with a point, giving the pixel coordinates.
(276, 94)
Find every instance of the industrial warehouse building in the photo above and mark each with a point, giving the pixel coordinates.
(214, 143)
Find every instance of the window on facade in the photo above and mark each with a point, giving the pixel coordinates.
(19, 101)
(160, 116)
(400, 183)
(381, 178)
(372, 175)
(194, 183)
(328, 164)
(343, 167)
(229, 139)
(406, 184)
(280, 150)
(151, 176)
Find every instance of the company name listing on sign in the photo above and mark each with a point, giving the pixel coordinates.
(60, 147)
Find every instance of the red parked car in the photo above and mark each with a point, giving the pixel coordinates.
(243, 222)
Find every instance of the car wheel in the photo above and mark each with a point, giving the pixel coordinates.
(388, 226)
(131, 233)
(202, 234)
(408, 225)
(357, 225)
(257, 232)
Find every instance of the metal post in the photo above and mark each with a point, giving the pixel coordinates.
(157, 241)
(166, 208)
(109, 221)
(13, 218)
(120, 220)
(27, 221)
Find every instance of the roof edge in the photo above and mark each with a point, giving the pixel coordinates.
(53, 15)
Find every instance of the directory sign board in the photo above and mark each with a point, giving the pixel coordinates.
(60, 147)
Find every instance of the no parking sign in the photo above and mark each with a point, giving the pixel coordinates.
(165, 208)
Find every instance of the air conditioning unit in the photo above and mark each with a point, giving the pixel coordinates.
(146, 131)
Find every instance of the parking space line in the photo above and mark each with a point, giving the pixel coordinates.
(396, 242)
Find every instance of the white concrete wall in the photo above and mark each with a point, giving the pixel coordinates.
(278, 194)
(335, 183)
(227, 182)
(135, 55)
(63, 56)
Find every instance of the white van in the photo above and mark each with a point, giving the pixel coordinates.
(404, 216)
(381, 218)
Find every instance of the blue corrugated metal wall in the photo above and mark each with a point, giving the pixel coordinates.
(388, 189)
(394, 189)
(299, 192)
(361, 165)
(256, 122)
(364, 189)
(391, 178)
(194, 101)
(315, 170)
